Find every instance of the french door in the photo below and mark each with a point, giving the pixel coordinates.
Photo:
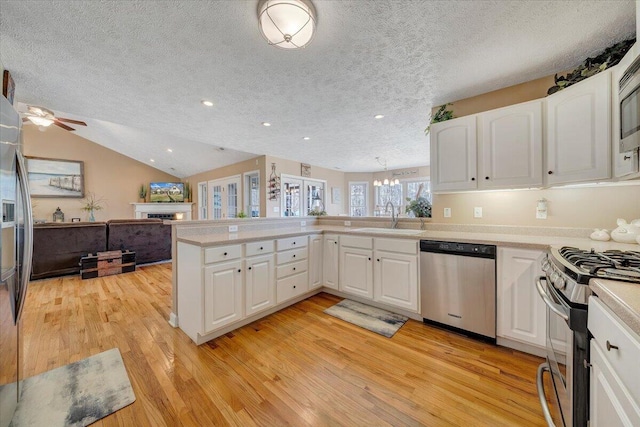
(225, 195)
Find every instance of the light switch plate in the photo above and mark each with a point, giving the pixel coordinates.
(303, 223)
(541, 214)
(233, 229)
(477, 212)
(347, 223)
(447, 212)
(276, 209)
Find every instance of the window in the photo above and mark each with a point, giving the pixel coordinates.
(301, 195)
(398, 194)
(203, 201)
(358, 198)
(252, 194)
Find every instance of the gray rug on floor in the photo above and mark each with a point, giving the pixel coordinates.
(380, 321)
(77, 394)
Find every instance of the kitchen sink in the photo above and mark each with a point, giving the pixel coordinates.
(404, 232)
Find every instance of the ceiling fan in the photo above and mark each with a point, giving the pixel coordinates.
(43, 118)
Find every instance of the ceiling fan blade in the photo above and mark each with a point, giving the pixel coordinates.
(63, 126)
(75, 122)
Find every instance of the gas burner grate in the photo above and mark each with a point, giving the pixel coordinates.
(612, 264)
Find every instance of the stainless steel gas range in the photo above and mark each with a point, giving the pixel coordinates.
(565, 291)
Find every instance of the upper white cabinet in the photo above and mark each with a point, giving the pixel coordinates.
(494, 150)
(579, 132)
(511, 147)
(453, 155)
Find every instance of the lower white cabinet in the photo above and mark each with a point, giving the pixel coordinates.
(396, 279)
(331, 258)
(521, 312)
(356, 271)
(316, 243)
(292, 271)
(614, 386)
(260, 285)
(223, 284)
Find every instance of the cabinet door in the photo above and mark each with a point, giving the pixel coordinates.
(610, 404)
(222, 294)
(395, 279)
(521, 311)
(331, 257)
(453, 154)
(260, 288)
(356, 271)
(315, 261)
(579, 132)
(511, 147)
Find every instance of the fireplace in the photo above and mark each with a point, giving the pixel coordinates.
(163, 210)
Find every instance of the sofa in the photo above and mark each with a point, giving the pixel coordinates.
(58, 247)
(150, 239)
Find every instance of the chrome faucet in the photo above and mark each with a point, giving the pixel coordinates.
(394, 219)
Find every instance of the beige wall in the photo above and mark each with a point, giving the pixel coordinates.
(111, 176)
(255, 164)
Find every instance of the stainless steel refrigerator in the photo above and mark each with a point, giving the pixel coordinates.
(16, 247)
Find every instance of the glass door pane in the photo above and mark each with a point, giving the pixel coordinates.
(232, 199)
(314, 197)
(291, 197)
(216, 199)
(202, 200)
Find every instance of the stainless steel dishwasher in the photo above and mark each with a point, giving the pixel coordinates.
(458, 287)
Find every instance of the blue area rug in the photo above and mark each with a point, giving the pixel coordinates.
(380, 321)
(77, 394)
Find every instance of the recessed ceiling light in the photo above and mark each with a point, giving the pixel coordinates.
(152, 161)
(267, 124)
(207, 103)
(169, 150)
(378, 116)
(306, 138)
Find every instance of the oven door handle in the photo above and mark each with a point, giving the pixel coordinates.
(557, 309)
(544, 367)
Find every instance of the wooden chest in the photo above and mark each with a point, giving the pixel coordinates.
(107, 263)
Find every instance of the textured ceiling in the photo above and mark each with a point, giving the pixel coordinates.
(137, 70)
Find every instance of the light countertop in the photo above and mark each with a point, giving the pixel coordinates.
(622, 298)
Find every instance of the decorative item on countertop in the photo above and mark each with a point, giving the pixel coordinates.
(420, 207)
(58, 215)
(274, 184)
(241, 214)
(592, 66)
(626, 233)
(142, 193)
(600, 235)
(92, 204)
(442, 115)
(317, 211)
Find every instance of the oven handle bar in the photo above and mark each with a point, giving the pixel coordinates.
(544, 367)
(547, 299)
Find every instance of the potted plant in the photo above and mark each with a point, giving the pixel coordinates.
(442, 115)
(92, 204)
(241, 214)
(420, 207)
(142, 193)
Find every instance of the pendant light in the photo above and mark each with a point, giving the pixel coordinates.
(387, 181)
(287, 24)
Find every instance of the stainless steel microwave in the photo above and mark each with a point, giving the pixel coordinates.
(630, 107)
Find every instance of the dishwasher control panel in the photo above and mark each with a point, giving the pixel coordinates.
(458, 248)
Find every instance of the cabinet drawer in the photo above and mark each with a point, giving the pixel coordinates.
(291, 286)
(356, 242)
(292, 255)
(605, 326)
(292, 268)
(397, 245)
(222, 253)
(292, 243)
(259, 248)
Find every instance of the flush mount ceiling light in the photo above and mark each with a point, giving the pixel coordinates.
(169, 150)
(306, 138)
(390, 182)
(267, 124)
(378, 116)
(287, 24)
(207, 103)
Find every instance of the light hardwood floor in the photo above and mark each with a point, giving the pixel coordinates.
(296, 367)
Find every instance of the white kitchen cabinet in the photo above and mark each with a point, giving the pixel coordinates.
(331, 260)
(316, 243)
(521, 312)
(292, 270)
(356, 265)
(396, 279)
(223, 283)
(614, 386)
(510, 147)
(260, 285)
(453, 155)
(579, 132)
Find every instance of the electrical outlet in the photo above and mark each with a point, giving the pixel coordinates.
(447, 212)
(303, 223)
(276, 209)
(233, 229)
(347, 223)
(477, 212)
(541, 214)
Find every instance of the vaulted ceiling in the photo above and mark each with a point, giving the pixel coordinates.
(136, 72)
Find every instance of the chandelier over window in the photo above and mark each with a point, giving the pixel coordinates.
(287, 24)
(390, 181)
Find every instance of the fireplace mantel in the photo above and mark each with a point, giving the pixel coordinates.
(142, 210)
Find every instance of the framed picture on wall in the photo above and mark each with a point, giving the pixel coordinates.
(8, 86)
(55, 177)
(335, 195)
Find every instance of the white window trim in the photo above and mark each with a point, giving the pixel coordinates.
(247, 193)
(203, 204)
(403, 183)
(303, 195)
(366, 195)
